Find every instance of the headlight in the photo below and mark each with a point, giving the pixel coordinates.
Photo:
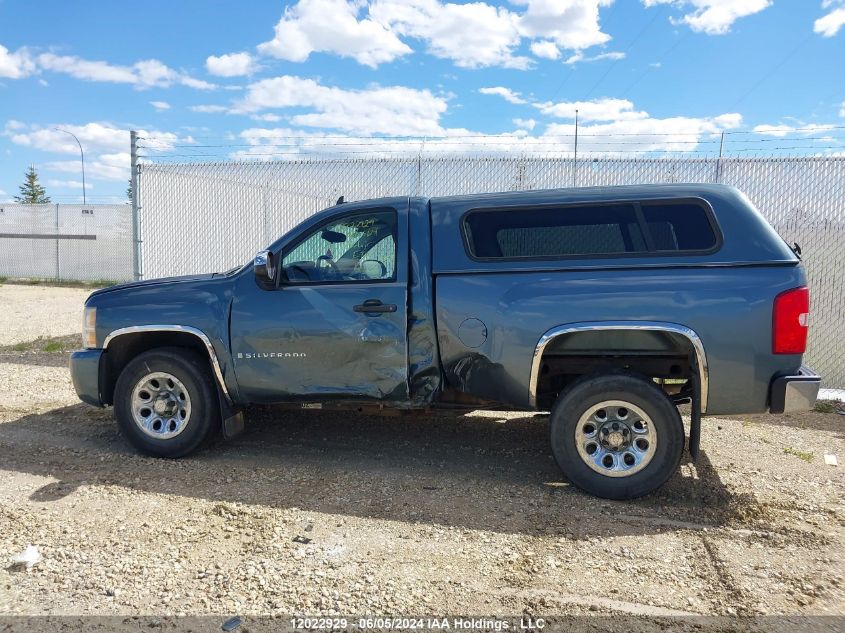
(89, 328)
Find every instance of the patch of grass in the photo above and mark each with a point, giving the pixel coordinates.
(807, 457)
(60, 283)
(42, 344)
(827, 406)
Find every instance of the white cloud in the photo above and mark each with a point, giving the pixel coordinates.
(714, 17)
(160, 105)
(232, 65)
(525, 124)
(572, 24)
(332, 26)
(15, 65)
(376, 110)
(782, 129)
(144, 74)
(842, 111)
(505, 93)
(580, 57)
(646, 134)
(829, 24)
(106, 146)
(70, 184)
(613, 138)
(608, 136)
(605, 109)
(93, 136)
(269, 117)
(472, 35)
(545, 49)
(209, 109)
(114, 167)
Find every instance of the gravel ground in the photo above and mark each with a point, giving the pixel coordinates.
(27, 312)
(417, 515)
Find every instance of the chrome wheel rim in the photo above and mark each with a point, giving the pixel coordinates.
(615, 438)
(161, 405)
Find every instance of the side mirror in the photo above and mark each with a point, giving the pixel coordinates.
(264, 268)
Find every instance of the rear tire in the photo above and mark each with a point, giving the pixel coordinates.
(616, 436)
(165, 402)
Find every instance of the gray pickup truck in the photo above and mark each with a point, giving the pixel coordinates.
(609, 307)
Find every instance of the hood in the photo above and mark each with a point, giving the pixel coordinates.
(155, 282)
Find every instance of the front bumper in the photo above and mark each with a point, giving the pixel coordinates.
(85, 373)
(797, 392)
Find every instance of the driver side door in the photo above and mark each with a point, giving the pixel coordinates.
(334, 327)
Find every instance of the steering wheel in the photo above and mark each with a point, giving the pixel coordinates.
(332, 265)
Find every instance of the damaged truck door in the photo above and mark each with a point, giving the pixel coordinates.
(331, 320)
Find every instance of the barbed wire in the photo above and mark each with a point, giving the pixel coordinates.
(812, 140)
(268, 133)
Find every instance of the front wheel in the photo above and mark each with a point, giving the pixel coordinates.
(616, 436)
(165, 402)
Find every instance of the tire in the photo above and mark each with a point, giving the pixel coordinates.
(188, 416)
(631, 459)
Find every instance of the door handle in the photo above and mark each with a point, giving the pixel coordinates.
(374, 306)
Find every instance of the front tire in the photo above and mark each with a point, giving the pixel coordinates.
(616, 436)
(165, 402)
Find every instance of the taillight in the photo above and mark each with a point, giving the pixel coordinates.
(790, 318)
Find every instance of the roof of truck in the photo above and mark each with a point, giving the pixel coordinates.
(608, 192)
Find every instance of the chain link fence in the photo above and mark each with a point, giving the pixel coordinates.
(230, 210)
(70, 242)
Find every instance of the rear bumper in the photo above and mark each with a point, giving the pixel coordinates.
(797, 392)
(85, 373)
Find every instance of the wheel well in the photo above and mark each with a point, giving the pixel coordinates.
(125, 347)
(667, 357)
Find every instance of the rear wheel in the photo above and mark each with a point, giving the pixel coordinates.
(616, 436)
(165, 402)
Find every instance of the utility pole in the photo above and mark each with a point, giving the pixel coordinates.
(136, 222)
(575, 159)
(82, 156)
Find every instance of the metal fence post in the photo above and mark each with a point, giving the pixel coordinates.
(58, 271)
(136, 220)
(719, 160)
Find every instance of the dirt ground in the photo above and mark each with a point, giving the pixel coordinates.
(398, 516)
(27, 312)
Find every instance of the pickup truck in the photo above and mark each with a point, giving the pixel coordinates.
(609, 307)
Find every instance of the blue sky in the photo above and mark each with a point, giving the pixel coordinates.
(214, 80)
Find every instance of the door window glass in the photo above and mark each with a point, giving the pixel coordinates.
(356, 248)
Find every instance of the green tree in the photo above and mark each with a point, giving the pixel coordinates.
(31, 190)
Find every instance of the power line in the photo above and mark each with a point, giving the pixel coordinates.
(627, 50)
(772, 70)
(651, 67)
(441, 139)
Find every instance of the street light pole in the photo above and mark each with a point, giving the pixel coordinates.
(82, 156)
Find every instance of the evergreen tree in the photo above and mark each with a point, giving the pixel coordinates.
(129, 191)
(31, 190)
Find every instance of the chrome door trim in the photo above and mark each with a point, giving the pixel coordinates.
(649, 326)
(215, 363)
